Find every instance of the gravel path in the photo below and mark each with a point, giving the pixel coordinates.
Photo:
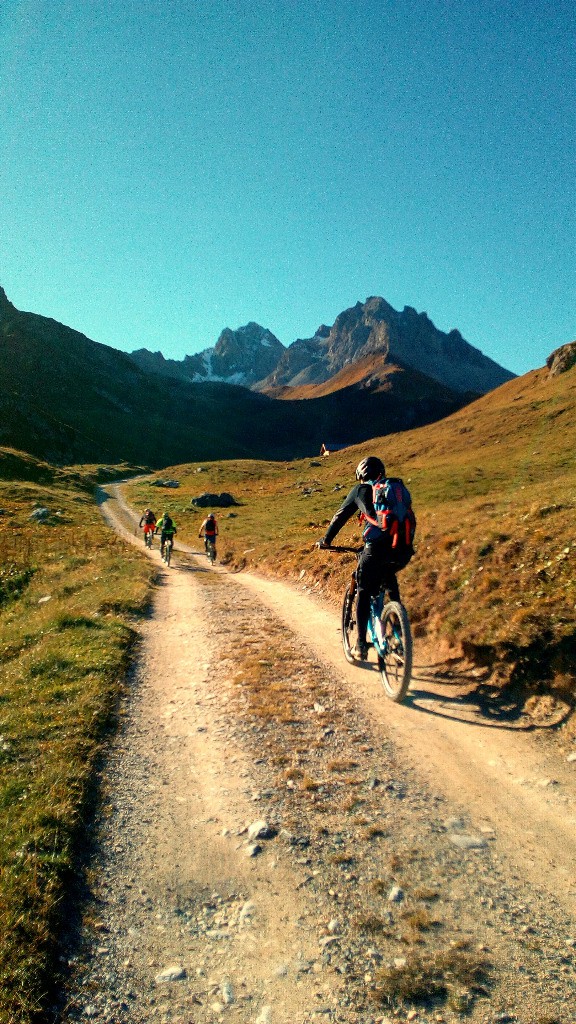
(269, 853)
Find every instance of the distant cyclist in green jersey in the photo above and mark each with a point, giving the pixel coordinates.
(166, 527)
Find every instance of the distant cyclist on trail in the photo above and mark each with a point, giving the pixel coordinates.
(148, 520)
(166, 527)
(389, 523)
(209, 530)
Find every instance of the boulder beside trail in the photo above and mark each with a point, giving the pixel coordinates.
(208, 500)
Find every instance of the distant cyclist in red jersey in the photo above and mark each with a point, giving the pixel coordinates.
(148, 520)
(209, 530)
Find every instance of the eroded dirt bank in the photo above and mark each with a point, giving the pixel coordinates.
(398, 878)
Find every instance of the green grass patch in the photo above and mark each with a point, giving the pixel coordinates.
(13, 580)
(63, 656)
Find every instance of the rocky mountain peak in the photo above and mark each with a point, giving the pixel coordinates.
(243, 356)
(408, 338)
(254, 357)
(247, 354)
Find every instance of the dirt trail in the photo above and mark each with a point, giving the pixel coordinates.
(401, 842)
(509, 776)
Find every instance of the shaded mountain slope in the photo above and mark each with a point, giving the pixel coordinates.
(391, 401)
(68, 399)
(376, 374)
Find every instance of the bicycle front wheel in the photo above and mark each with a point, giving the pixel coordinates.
(395, 663)
(349, 631)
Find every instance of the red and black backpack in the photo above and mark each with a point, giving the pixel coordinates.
(395, 517)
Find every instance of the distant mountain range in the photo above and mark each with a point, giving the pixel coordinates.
(254, 357)
(68, 399)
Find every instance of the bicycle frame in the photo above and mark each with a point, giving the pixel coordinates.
(376, 634)
(375, 631)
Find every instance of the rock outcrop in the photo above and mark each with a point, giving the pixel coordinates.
(562, 359)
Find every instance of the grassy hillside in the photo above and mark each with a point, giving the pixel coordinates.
(68, 593)
(494, 488)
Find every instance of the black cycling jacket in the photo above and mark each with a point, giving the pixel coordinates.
(358, 500)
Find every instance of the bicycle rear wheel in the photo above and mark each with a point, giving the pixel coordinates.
(167, 552)
(395, 663)
(349, 631)
(211, 552)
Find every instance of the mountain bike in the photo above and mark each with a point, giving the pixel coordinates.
(389, 633)
(211, 550)
(148, 535)
(166, 553)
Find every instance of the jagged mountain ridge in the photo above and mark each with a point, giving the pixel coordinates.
(68, 399)
(243, 356)
(409, 339)
(406, 338)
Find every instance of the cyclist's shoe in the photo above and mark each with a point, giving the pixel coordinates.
(360, 651)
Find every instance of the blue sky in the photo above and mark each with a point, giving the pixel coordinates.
(171, 168)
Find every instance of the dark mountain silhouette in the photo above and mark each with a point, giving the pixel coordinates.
(68, 399)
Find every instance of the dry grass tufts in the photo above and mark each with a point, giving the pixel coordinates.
(279, 760)
(371, 924)
(396, 863)
(352, 803)
(379, 886)
(373, 832)
(419, 920)
(342, 765)
(309, 784)
(437, 976)
(425, 894)
(341, 859)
